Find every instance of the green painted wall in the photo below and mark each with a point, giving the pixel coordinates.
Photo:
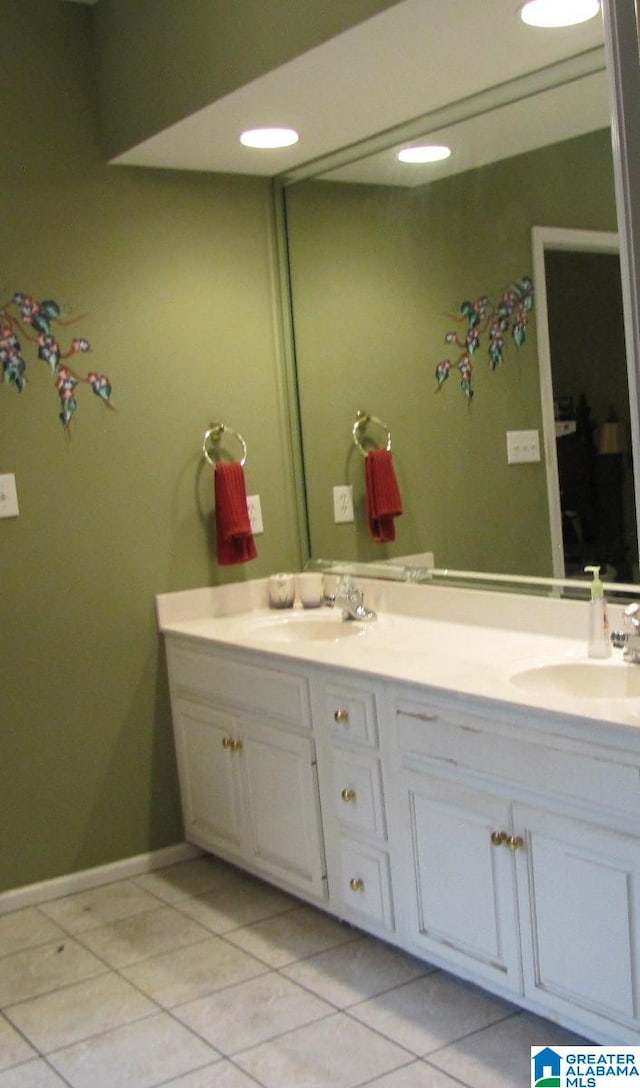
(161, 60)
(376, 271)
(174, 275)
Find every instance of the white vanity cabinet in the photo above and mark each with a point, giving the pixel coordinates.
(499, 842)
(247, 764)
(521, 852)
(346, 718)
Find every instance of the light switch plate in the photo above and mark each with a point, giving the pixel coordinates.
(8, 496)
(522, 446)
(254, 511)
(342, 504)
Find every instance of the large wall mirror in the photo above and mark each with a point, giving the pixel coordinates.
(383, 255)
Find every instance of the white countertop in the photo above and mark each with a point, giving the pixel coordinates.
(466, 642)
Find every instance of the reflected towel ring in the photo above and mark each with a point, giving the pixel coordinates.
(214, 435)
(362, 420)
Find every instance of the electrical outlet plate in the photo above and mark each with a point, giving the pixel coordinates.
(255, 514)
(342, 503)
(522, 446)
(8, 496)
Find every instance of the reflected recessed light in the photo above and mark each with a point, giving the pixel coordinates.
(558, 12)
(269, 137)
(427, 153)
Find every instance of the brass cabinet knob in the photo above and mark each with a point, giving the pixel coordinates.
(226, 742)
(356, 884)
(231, 744)
(514, 842)
(348, 794)
(341, 716)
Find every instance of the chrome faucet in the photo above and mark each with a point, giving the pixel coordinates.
(629, 639)
(350, 599)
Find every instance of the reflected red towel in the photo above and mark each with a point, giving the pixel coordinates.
(383, 495)
(234, 538)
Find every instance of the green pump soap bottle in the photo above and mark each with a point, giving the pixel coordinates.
(599, 642)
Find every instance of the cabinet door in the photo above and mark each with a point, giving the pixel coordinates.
(579, 890)
(462, 906)
(283, 805)
(210, 783)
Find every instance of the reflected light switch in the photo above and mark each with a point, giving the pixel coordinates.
(522, 446)
(8, 496)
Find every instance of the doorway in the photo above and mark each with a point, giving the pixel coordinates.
(585, 402)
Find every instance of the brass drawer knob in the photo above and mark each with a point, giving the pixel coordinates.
(341, 716)
(348, 794)
(356, 884)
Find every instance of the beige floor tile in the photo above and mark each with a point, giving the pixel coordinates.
(139, 1055)
(500, 1056)
(221, 1075)
(39, 970)
(291, 936)
(36, 1074)
(97, 907)
(356, 971)
(186, 878)
(333, 1053)
(76, 1012)
(13, 1048)
(238, 903)
(25, 929)
(142, 935)
(430, 1012)
(417, 1075)
(189, 973)
(243, 1016)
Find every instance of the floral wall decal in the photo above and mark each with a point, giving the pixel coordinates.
(35, 324)
(511, 311)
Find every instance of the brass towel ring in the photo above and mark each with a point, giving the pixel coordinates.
(363, 419)
(214, 437)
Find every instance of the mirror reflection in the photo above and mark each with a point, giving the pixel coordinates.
(380, 271)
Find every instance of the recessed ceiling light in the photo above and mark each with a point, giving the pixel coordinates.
(269, 137)
(426, 153)
(554, 13)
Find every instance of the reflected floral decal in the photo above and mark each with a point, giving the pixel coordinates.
(509, 313)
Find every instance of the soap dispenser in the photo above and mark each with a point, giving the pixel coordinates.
(599, 643)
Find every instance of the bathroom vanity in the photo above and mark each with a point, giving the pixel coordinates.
(443, 778)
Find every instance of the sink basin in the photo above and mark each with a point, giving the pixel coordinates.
(311, 626)
(582, 679)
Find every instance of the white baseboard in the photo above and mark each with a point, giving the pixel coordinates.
(32, 894)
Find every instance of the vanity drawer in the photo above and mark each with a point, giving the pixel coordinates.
(351, 714)
(357, 784)
(431, 736)
(272, 692)
(366, 884)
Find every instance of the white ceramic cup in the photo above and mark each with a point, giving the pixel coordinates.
(310, 589)
(282, 590)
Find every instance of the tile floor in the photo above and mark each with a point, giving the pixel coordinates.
(197, 976)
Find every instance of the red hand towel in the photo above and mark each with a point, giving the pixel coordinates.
(383, 495)
(234, 538)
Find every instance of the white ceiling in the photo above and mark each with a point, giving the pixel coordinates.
(407, 64)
